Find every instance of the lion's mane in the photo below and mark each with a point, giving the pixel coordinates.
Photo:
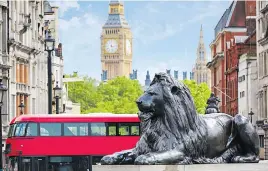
(179, 123)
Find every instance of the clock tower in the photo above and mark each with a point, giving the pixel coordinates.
(116, 44)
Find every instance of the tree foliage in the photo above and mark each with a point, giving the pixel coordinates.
(200, 93)
(119, 95)
(84, 92)
(114, 96)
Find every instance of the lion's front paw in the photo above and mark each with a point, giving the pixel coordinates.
(145, 160)
(108, 160)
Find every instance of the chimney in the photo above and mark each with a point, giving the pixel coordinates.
(59, 50)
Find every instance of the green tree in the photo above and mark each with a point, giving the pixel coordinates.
(200, 93)
(84, 92)
(118, 96)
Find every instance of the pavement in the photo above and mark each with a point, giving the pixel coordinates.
(262, 166)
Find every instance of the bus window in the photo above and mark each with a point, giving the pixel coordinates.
(31, 129)
(20, 129)
(50, 129)
(98, 129)
(135, 130)
(124, 129)
(75, 129)
(111, 129)
(10, 131)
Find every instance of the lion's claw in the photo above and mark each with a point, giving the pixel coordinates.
(145, 160)
(107, 160)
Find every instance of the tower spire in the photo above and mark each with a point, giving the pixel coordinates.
(201, 35)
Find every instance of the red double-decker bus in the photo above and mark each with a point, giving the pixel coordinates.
(74, 142)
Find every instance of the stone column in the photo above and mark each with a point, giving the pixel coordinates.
(26, 103)
(21, 73)
(26, 79)
(17, 72)
(17, 104)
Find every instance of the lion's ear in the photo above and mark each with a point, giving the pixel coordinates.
(174, 89)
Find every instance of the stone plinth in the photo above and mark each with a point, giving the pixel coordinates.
(262, 166)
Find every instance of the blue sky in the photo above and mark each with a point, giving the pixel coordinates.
(165, 33)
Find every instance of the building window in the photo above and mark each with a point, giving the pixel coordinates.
(261, 141)
(242, 78)
(242, 94)
(260, 65)
(264, 64)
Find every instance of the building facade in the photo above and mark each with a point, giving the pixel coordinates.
(52, 28)
(248, 77)
(232, 23)
(262, 54)
(28, 83)
(202, 73)
(248, 85)
(235, 48)
(184, 75)
(147, 80)
(4, 69)
(116, 43)
(68, 106)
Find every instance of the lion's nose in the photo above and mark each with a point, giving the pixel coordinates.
(139, 102)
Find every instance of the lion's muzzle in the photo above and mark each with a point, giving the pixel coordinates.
(144, 103)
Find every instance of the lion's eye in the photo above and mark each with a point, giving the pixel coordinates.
(151, 93)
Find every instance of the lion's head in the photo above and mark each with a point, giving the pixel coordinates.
(169, 100)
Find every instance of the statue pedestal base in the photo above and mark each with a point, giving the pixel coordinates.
(262, 166)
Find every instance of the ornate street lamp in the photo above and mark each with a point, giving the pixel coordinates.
(21, 106)
(49, 47)
(3, 89)
(57, 93)
(250, 114)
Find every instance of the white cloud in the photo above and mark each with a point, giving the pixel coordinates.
(154, 24)
(81, 37)
(147, 32)
(65, 5)
(211, 9)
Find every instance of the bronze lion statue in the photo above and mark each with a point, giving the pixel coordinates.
(172, 132)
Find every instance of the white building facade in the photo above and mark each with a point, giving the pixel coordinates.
(28, 83)
(4, 68)
(248, 86)
(262, 61)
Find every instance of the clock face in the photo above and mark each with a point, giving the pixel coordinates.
(128, 47)
(111, 46)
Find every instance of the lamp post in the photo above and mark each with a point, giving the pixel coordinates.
(49, 47)
(57, 92)
(3, 89)
(251, 113)
(21, 106)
